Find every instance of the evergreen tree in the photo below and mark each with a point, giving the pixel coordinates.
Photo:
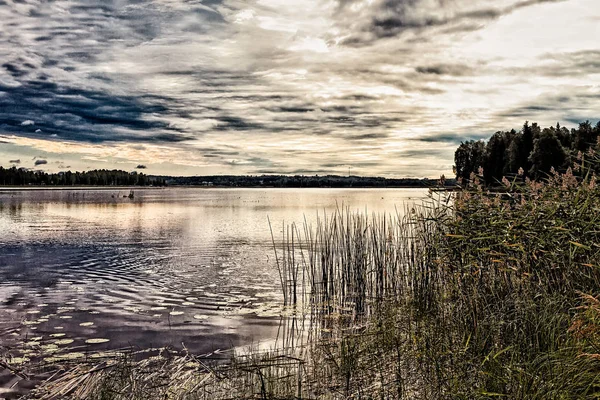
(583, 137)
(547, 153)
(468, 158)
(497, 156)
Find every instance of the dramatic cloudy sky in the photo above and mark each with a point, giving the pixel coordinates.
(387, 87)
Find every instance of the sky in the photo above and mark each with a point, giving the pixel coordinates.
(367, 87)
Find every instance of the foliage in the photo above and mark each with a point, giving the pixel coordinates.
(22, 177)
(327, 181)
(469, 156)
(533, 149)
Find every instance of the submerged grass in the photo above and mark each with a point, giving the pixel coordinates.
(471, 295)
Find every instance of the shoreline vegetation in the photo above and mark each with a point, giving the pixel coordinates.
(20, 178)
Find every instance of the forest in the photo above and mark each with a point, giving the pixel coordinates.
(102, 177)
(297, 181)
(532, 152)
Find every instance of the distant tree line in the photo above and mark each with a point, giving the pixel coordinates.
(24, 177)
(532, 151)
(282, 181)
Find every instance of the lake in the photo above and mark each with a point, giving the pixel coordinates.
(87, 270)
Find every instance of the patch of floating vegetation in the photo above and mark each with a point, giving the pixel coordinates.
(49, 348)
(269, 311)
(64, 357)
(62, 342)
(106, 354)
(158, 308)
(96, 341)
(176, 313)
(200, 317)
(86, 324)
(56, 335)
(244, 311)
(18, 360)
(65, 317)
(33, 312)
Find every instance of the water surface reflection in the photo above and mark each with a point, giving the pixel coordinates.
(87, 270)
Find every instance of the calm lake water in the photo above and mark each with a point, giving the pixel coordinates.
(90, 270)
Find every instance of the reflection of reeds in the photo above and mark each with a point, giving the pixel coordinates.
(350, 262)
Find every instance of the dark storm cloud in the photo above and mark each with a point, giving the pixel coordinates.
(72, 36)
(422, 153)
(82, 115)
(141, 20)
(141, 166)
(570, 64)
(527, 112)
(445, 69)
(369, 136)
(576, 120)
(215, 152)
(15, 161)
(388, 18)
(334, 165)
(307, 171)
(578, 106)
(261, 162)
(13, 70)
(450, 138)
(299, 109)
(233, 123)
(40, 162)
(351, 165)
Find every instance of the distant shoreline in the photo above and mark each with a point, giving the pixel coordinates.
(23, 188)
(104, 178)
(134, 188)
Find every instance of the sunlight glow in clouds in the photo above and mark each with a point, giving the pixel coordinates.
(389, 87)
